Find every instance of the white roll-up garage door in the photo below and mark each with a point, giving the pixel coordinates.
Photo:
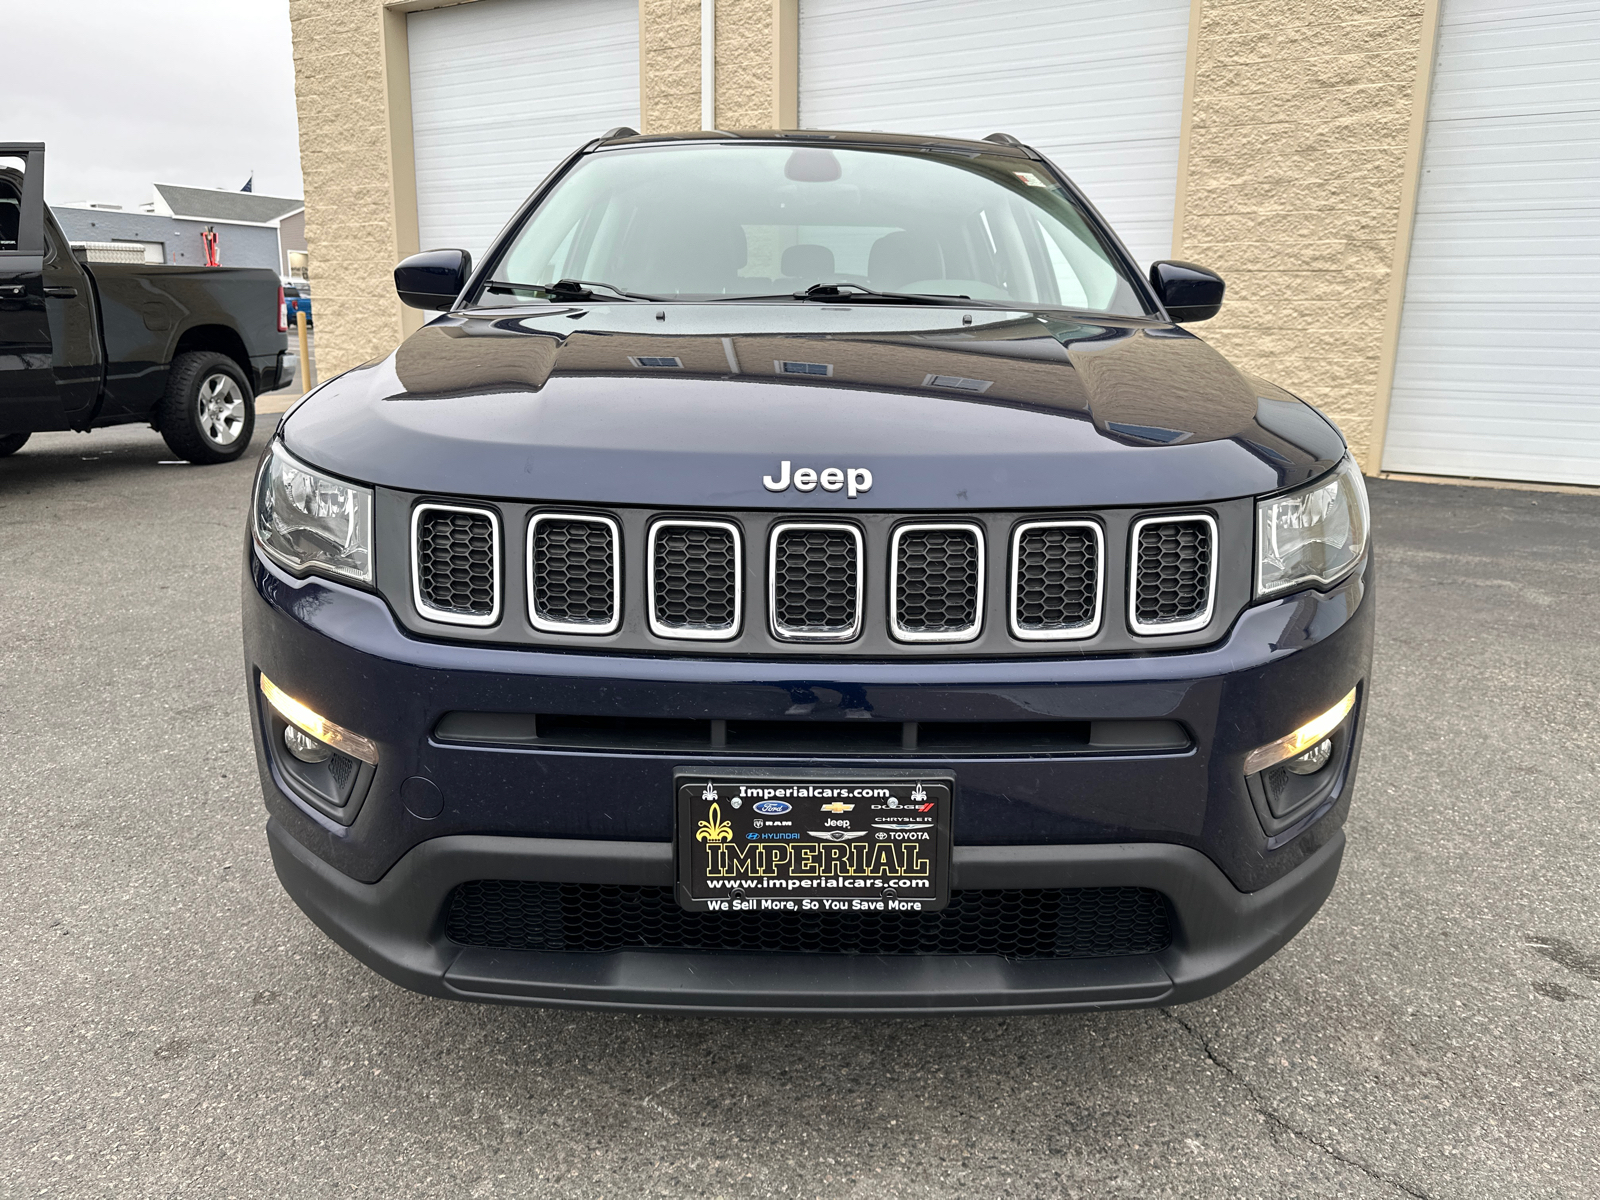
(1096, 85)
(503, 90)
(1498, 373)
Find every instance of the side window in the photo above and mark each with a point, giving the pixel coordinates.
(10, 214)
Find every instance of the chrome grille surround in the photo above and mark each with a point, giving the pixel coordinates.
(1055, 633)
(1136, 564)
(698, 632)
(538, 574)
(807, 633)
(897, 626)
(455, 616)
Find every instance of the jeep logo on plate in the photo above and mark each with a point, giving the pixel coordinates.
(851, 480)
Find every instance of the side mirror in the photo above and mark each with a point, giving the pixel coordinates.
(432, 279)
(1188, 292)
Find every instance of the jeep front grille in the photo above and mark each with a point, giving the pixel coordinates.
(815, 582)
(1055, 580)
(1174, 573)
(937, 573)
(574, 576)
(455, 564)
(696, 579)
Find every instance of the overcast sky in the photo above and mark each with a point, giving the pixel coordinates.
(127, 93)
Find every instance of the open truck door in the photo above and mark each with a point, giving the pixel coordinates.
(50, 357)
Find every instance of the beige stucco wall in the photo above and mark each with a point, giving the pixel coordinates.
(669, 64)
(344, 158)
(1301, 132)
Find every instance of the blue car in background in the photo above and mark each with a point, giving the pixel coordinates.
(296, 299)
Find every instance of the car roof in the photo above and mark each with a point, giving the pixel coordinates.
(824, 137)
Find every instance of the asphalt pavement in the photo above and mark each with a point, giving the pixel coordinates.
(175, 1027)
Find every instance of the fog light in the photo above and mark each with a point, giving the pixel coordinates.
(305, 747)
(1302, 739)
(318, 726)
(1309, 763)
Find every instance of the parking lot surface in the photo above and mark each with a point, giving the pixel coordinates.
(175, 1027)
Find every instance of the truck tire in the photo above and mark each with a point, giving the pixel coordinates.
(10, 443)
(208, 413)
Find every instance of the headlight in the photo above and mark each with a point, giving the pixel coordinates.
(306, 520)
(1314, 535)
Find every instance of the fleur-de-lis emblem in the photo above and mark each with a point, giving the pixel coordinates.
(714, 828)
(709, 795)
(918, 796)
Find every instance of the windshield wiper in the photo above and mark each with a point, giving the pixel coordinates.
(568, 289)
(857, 291)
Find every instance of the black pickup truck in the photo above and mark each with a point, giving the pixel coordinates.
(185, 348)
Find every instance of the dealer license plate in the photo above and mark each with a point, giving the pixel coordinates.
(812, 845)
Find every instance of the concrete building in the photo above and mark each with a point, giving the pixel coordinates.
(1402, 194)
(252, 230)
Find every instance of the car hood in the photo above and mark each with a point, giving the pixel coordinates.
(692, 405)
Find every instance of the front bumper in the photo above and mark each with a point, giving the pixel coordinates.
(395, 927)
(1182, 823)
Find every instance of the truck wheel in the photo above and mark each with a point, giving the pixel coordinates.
(208, 413)
(10, 443)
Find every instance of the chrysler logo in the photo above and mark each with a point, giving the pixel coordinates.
(851, 480)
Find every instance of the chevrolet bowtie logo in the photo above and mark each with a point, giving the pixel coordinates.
(837, 807)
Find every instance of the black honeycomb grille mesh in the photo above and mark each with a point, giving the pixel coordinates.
(1057, 569)
(455, 562)
(814, 574)
(1016, 923)
(696, 577)
(574, 572)
(936, 581)
(1173, 572)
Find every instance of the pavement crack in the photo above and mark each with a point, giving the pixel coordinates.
(1259, 1103)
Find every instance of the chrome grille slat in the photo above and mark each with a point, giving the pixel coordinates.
(574, 575)
(814, 581)
(937, 575)
(1173, 573)
(455, 563)
(1057, 576)
(696, 579)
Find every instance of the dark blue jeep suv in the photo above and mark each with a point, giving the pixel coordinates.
(807, 573)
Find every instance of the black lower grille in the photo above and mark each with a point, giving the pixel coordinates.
(816, 581)
(573, 569)
(1172, 575)
(937, 576)
(1057, 569)
(456, 560)
(694, 577)
(1100, 922)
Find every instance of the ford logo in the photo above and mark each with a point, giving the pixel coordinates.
(772, 808)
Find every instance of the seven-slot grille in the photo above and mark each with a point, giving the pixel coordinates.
(574, 581)
(1056, 569)
(696, 577)
(815, 575)
(815, 582)
(1173, 576)
(456, 564)
(937, 582)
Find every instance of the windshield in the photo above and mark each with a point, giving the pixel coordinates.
(703, 222)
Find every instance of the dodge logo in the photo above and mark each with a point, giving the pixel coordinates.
(851, 480)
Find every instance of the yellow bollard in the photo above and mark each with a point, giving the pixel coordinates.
(305, 353)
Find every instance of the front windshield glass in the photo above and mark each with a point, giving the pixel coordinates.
(703, 222)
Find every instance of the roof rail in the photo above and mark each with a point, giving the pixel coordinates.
(619, 132)
(1004, 139)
